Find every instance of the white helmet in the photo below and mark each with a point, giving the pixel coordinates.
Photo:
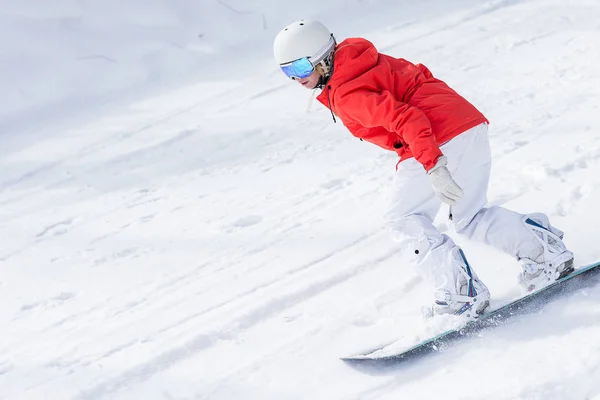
(303, 38)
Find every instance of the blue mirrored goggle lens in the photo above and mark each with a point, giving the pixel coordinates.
(301, 68)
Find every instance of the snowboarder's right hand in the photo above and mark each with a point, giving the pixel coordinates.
(445, 188)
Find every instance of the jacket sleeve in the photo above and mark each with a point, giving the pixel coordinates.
(371, 109)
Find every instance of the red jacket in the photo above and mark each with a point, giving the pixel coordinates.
(395, 104)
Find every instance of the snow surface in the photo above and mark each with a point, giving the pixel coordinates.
(174, 225)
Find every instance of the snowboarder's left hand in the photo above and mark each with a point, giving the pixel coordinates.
(445, 188)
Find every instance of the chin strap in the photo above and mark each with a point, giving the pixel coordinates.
(327, 64)
(321, 83)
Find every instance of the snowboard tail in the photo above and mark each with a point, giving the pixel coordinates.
(582, 277)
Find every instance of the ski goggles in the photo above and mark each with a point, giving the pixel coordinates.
(301, 68)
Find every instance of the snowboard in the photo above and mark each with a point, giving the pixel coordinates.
(582, 277)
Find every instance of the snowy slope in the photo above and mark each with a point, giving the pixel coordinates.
(176, 226)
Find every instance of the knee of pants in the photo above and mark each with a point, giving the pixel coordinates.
(417, 236)
(415, 247)
(419, 248)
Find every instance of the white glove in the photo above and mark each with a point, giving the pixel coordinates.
(443, 185)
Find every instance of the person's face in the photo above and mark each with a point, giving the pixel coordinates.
(310, 82)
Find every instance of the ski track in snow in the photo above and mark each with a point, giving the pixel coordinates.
(217, 242)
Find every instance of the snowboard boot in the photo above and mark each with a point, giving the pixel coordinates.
(553, 262)
(459, 290)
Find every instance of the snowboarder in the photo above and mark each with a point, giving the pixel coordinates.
(442, 141)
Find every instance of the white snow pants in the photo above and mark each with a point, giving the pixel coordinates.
(414, 207)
